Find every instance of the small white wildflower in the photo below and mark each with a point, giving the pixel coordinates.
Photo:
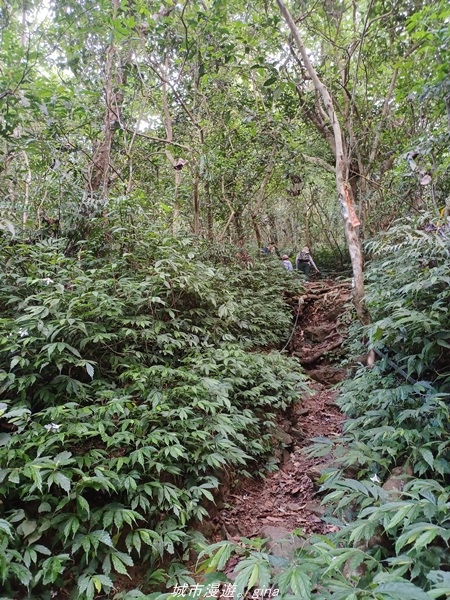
(23, 332)
(375, 479)
(47, 280)
(52, 427)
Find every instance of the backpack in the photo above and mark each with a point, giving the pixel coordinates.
(303, 257)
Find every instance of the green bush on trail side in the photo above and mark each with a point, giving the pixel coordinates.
(392, 541)
(127, 390)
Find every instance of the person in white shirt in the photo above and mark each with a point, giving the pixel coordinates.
(286, 263)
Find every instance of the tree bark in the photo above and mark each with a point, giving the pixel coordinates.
(27, 182)
(308, 219)
(169, 135)
(344, 192)
(260, 197)
(273, 231)
(196, 199)
(209, 212)
(99, 169)
(257, 231)
(237, 220)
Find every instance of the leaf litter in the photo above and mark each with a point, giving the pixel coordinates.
(288, 498)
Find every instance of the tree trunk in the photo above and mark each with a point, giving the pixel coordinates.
(257, 230)
(344, 192)
(293, 232)
(260, 197)
(27, 182)
(209, 212)
(99, 170)
(237, 219)
(308, 221)
(196, 204)
(273, 229)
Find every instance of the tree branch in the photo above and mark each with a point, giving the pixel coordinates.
(320, 162)
(384, 112)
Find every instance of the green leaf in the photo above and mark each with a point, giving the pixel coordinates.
(119, 566)
(270, 81)
(424, 539)
(5, 527)
(400, 515)
(253, 577)
(83, 505)
(62, 481)
(401, 591)
(86, 586)
(427, 455)
(300, 583)
(42, 549)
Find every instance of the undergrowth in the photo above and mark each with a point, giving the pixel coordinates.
(128, 391)
(392, 542)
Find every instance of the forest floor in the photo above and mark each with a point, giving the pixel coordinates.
(287, 499)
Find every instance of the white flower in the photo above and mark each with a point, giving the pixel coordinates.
(47, 280)
(375, 479)
(52, 427)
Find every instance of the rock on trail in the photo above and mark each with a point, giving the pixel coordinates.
(287, 499)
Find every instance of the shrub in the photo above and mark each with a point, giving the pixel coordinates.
(128, 388)
(388, 546)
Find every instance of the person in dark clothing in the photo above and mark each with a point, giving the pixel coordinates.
(304, 262)
(269, 249)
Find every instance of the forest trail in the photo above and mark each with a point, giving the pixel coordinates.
(287, 499)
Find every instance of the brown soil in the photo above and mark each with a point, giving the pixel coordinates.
(288, 497)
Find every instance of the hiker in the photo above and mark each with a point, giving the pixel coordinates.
(286, 263)
(304, 262)
(269, 249)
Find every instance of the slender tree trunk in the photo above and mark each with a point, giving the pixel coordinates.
(225, 229)
(293, 232)
(257, 230)
(238, 226)
(11, 179)
(196, 199)
(27, 188)
(100, 167)
(170, 157)
(209, 212)
(232, 211)
(260, 197)
(307, 221)
(273, 229)
(344, 191)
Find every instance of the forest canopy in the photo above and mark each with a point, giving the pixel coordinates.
(149, 152)
(202, 116)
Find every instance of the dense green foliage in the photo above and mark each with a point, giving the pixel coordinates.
(138, 368)
(128, 390)
(95, 97)
(390, 545)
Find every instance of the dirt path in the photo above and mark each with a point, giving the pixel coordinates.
(287, 499)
